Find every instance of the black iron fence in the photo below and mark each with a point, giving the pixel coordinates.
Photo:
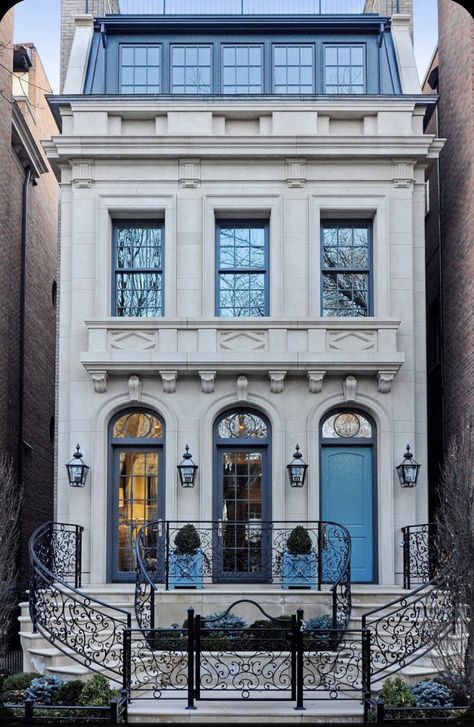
(30, 712)
(274, 659)
(245, 552)
(419, 554)
(240, 7)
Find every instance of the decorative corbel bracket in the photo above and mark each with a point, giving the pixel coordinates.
(135, 388)
(315, 381)
(242, 387)
(296, 172)
(403, 175)
(208, 379)
(277, 381)
(82, 173)
(99, 379)
(349, 388)
(169, 379)
(189, 173)
(385, 381)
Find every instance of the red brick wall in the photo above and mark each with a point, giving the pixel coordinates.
(40, 314)
(456, 123)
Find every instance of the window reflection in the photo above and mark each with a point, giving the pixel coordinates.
(346, 425)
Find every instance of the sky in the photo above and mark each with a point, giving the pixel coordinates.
(38, 21)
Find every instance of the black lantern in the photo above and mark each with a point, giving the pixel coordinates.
(297, 469)
(187, 469)
(408, 469)
(77, 470)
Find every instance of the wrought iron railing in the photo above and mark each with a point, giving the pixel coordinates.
(246, 552)
(407, 628)
(240, 7)
(88, 630)
(419, 554)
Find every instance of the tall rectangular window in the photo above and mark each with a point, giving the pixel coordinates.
(191, 69)
(344, 69)
(293, 69)
(242, 269)
(242, 69)
(140, 69)
(138, 268)
(346, 268)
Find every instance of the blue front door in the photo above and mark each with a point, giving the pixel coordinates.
(347, 499)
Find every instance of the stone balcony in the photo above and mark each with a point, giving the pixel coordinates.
(208, 348)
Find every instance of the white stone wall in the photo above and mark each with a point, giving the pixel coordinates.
(292, 165)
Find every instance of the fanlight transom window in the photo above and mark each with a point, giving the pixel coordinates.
(347, 425)
(137, 425)
(242, 425)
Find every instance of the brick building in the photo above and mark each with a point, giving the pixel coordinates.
(449, 234)
(28, 270)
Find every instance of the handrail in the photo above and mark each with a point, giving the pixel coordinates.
(85, 628)
(332, 548)
(407, 627)
(419, 553)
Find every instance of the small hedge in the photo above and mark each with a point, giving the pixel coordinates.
(97, 692)
(69, 692)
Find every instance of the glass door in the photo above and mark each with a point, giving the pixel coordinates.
(243, 535)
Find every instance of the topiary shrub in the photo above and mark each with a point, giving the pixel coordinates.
(69, 692)
(430, 693)
(396, 693)
(97, 692)
(44, 689)
(299, 541)
(187, 540)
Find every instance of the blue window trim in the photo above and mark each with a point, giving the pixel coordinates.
(251, 222)
(172, 46)
(282, 44)
(344, 44)
(137, 222)
(336, 222)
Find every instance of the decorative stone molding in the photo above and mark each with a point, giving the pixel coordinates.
(243, 340)
(349, 388)
(315, 381)
(169, 379)
(83, 173)
(189, 173)
(384, 381)
(296, 172)
(135, 388)
(99, 379)
(403, 175)
(277, 381)
(242, 388)
(207, 381)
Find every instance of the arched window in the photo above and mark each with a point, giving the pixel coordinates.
(136, 483)
(347, 425)
(242, 495)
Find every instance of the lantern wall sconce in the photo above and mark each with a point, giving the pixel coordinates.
(297, 469)
(187, 469)
(408, 469)
(77, 470)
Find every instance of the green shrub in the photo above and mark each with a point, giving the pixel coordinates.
(221, 620)
(44, 689)
(97, 692)
(187, 540)
(299, 541)
(19, 682)
(430, 693)
(4, 673)
(396, 693)
(69, 692)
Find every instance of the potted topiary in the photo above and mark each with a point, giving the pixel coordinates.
(186, 559)
(299, 560)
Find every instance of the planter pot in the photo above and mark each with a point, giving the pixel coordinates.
(299, 571)
(185, 571)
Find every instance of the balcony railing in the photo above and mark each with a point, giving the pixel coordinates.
(240, 7)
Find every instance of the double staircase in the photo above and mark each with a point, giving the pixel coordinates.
(70, 632)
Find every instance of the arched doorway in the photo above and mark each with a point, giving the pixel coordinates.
(348, 470)
(136, 485)
(242, 496)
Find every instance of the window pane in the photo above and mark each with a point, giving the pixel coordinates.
(242, 425)
(138, 424)
(345, 251)
(140, 56)
(293, 69)
(140, 69)
(242, 69)
(347, 425)
(191, 69)
(344, 67)
(138, 276)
